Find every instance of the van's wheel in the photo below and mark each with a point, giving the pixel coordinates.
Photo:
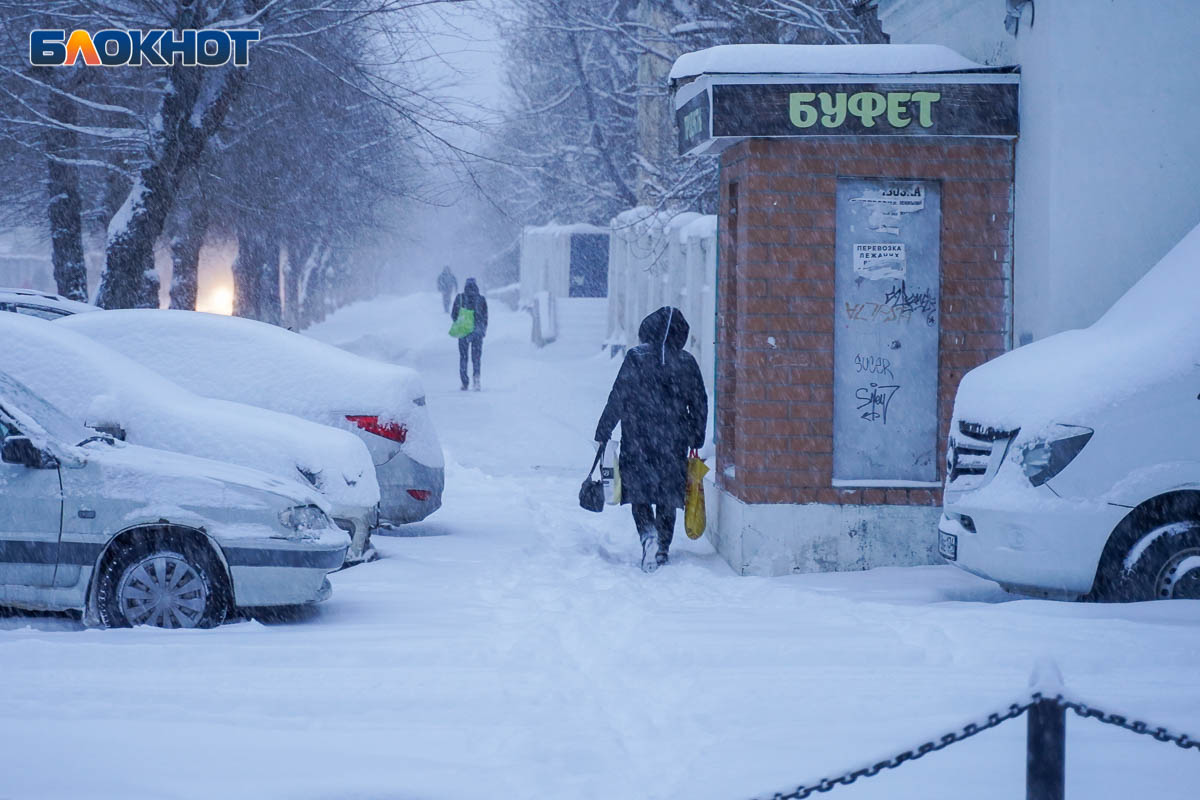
(162, 581)
(1163, 563)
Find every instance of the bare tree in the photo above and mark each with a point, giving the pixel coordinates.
(586, 74)
(139, 135)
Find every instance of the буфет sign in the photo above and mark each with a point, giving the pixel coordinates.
(984, 105)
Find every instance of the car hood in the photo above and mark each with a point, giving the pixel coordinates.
(1066, 378)
(149, 484)
(1150, 336)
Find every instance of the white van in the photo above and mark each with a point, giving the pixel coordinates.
(1073, 466)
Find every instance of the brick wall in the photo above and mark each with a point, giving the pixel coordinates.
(774, 417)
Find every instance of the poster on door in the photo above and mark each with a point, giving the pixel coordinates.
(887, 299)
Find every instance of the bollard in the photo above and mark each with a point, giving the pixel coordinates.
(1046, 745)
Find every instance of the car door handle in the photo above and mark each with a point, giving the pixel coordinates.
(87, 513)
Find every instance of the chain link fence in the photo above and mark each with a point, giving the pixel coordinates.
(1046, 744)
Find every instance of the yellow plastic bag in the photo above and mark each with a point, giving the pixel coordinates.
(694, 518)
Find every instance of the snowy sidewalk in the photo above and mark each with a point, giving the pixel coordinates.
(508, 647)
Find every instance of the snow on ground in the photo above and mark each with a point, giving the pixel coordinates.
(509, 647)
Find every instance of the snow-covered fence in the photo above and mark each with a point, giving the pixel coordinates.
(656, 259)
(1045, 742)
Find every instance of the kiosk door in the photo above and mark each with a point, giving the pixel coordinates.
(887, 297)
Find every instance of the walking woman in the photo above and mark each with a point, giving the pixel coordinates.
(471, 300)
(660, 401)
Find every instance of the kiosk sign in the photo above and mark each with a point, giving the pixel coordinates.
(731, 108)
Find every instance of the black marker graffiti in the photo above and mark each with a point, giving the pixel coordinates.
(907, 304)
(874, 401)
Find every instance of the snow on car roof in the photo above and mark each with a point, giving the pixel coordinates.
(28, 293)
(45, 299)
(93, 383)
(1150, 334)
(822, 59)
(264, 365)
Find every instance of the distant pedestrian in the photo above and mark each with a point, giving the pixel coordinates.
(448, 285)
(472, 343)
(659, 399)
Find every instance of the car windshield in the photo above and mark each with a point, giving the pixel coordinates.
(17, 402)
(41, 312)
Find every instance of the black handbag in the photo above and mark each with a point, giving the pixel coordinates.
(591, 493)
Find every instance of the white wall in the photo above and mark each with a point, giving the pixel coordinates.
(1108, 160)
(975, 28)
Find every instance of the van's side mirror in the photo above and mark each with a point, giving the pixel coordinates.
(20, 450)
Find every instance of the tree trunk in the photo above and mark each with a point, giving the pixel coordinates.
(65, 208)
(247, 272)
(299, 252)
(316, 287)
(185, 257)
(188, 115)
(269, 308)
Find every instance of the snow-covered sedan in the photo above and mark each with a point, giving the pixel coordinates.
(135, 536)
(41, 304)
(264, 365)
(104, 390)
(1074, 462)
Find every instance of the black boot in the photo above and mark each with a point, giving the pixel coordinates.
(650, 560)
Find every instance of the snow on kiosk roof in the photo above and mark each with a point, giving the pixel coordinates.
(733, 92)
(823, 59)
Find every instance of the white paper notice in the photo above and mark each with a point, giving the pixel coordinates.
(887, 205)
(879, 261)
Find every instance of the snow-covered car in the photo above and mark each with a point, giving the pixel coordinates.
(264, 365)
(130, 535)
(1074, 462)
(102, 389)
(41, 304)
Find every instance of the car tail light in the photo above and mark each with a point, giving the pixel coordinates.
(420, 494)
(388, 430)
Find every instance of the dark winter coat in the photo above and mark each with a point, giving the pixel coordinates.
(472, 299)
(660, 401)
(446, 281)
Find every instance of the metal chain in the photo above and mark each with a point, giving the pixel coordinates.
(970, 729)
(1137, 726)
(1014, 710)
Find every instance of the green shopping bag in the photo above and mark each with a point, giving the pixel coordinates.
(464, 324)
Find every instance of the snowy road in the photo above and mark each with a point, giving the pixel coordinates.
(509, 648)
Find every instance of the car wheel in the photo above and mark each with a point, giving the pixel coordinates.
(1164, 564)
(162, 582)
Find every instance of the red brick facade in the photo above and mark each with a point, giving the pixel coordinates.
(774, 405)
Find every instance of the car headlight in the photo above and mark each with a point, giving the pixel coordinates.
(1042, 459)
(304, 522)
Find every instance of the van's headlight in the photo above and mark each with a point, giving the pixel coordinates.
(304, 522)
(1042, 459)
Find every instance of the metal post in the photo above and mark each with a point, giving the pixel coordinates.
(1046, 745)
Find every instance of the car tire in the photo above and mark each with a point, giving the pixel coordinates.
(164, 581)
(1160, 560)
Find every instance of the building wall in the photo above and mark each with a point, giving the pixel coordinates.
(974, 28)
(1107, 162)
(774, 401)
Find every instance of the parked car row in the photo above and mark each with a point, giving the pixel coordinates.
(167, 467)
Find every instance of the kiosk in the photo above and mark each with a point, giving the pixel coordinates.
(865, 262)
